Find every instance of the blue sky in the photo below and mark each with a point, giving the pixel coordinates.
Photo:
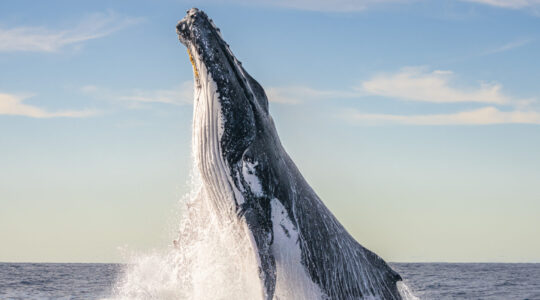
(417, 122)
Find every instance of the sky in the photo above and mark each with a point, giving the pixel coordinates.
(417, 122)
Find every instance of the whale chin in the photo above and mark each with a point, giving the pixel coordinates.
(300, 248)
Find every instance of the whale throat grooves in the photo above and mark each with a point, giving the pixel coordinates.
(253, 213)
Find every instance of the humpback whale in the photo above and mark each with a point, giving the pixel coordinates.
(248, 176)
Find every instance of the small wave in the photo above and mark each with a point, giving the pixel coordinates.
(35, 282)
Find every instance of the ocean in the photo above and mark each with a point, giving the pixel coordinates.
(426, 280)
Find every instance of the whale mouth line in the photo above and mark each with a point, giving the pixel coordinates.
(195, 70)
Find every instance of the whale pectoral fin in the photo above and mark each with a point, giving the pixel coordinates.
(260, 227)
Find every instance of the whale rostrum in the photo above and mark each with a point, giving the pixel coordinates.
(248, 176)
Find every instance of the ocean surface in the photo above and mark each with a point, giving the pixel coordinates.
(426, 280)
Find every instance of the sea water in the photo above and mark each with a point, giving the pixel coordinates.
(426, 280)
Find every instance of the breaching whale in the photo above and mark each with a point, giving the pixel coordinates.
(249, 176)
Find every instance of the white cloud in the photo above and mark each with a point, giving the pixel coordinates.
(513, 4)
(419, 84)
(41, 39)
(13, 105)
(415, 84)
(409, 84)
(483, 116)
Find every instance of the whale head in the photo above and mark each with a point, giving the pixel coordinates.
(230, 113)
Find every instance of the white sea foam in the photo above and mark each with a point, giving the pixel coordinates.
(211, 260)
(405, 292)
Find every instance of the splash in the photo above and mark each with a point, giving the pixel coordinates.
(405, 292)
(211, 259)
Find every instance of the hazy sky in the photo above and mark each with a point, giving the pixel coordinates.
(417, 122)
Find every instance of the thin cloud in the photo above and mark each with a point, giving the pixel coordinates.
(42, 39)
(183, 95)
(13, 105)
(320, 5)
(509, 46)
(179, 95)
(415, 84)
(483, 116)
(512, 4)
(299, 94)
(334, 6)
(408, 84)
